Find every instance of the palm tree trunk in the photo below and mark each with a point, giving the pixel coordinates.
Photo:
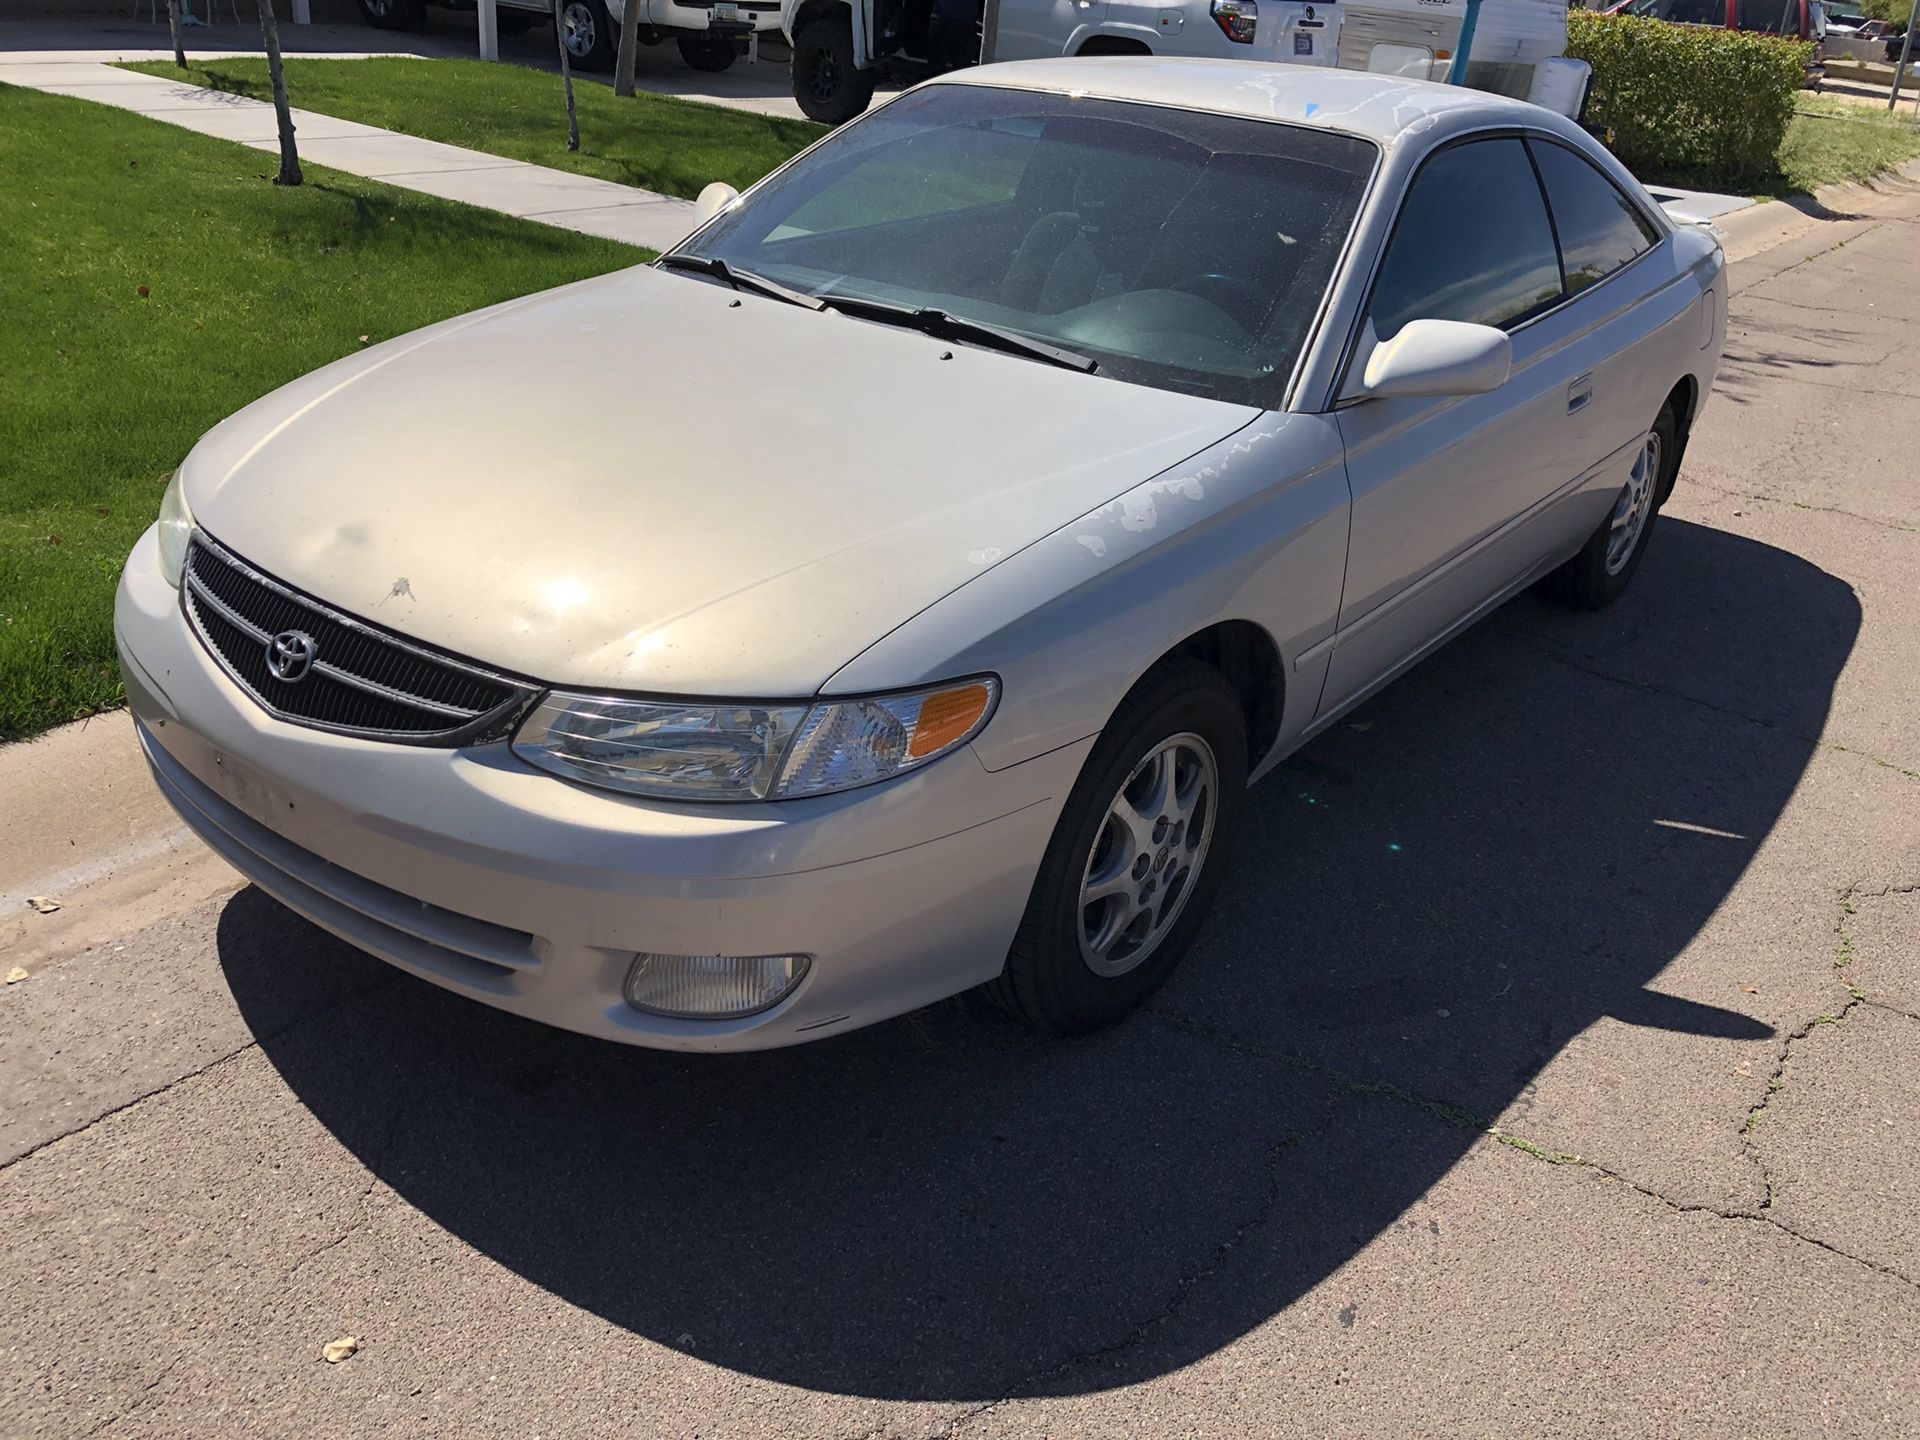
(289, 157)
(566, 77)
(173, 24)
(629, 49)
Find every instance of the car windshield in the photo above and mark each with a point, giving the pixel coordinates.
(1171, 248)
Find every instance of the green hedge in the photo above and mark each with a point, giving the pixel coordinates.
(1687, 103)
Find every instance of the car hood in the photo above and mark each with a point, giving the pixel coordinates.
(648, 482)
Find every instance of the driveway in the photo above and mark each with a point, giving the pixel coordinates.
(1549, 1066)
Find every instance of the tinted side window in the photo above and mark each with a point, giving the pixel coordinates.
(1472, 242)
(1600, 230)
(1778, 17)
(1683, 12)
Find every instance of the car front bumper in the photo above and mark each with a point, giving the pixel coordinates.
(477, 872)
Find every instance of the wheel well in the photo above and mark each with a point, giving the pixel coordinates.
(1683, 397)
(1247, 656)
(813, 10)
(1114, 45)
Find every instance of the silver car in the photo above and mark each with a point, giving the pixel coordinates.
(894, 588)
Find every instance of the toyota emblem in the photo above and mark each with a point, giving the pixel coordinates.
(290, 655)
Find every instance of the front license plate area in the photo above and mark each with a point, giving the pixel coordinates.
(249, 792)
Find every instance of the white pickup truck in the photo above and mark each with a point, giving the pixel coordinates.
(842, 48)
(711, 34)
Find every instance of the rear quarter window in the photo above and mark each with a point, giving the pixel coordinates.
(1599, 228)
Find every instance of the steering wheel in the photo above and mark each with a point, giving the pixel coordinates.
(1254, 301)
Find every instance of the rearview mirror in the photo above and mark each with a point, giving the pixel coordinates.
(713, 199)
(1439, 357)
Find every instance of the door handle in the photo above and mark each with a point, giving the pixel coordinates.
(1579, 393)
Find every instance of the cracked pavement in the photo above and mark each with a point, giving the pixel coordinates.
(1549, 1066)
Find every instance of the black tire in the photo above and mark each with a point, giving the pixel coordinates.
(592, 38)
(711, 53)
(1048, 983)
(1590, 581)
(393, 14)
(825, 83)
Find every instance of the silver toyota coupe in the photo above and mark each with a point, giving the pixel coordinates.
(921, 559)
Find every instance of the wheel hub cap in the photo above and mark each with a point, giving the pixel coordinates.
(1635, 505)
(1146, 854)
(577, 21)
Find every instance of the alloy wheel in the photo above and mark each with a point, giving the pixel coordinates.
(1146, 855)
(823, 76)
(577, 26)
(1635, 506)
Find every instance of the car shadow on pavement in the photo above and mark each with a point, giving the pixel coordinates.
(1427, 903)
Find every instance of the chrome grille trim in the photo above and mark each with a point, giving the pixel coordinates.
(472, 704)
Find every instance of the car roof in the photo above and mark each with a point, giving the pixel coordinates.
(1385, 108)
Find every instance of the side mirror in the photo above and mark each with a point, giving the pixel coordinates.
(1439, 357)
(713, 199)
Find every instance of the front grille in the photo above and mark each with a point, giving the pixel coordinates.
(358, 680)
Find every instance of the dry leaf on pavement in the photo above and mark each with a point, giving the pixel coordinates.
(45, 904)
(334, 1351)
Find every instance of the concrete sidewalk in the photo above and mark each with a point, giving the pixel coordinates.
(514, 187)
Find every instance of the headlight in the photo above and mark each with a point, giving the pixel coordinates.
(750, 752)
(176, 528)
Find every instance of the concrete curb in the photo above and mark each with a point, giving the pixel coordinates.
(1761, 227)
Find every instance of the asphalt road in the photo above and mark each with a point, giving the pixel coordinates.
(1638, 888)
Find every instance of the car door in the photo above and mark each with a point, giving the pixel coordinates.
(1449, 492)
(1626, 342)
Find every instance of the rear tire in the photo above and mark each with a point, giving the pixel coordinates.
(1605, 566)
(709, 53)
(825, 83)
(1112, 911)
(393, 14)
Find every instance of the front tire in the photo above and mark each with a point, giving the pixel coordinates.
(1136, 857)
(825, 83)
(588, 32)
(1605, 566)
(709, 53)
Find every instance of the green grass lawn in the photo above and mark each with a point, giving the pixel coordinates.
(152, 282)
(1832, 140)
(670, 146)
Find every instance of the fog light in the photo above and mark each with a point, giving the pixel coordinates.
(712, 987)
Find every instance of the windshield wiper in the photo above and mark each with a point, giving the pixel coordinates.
(945, 325)
(739, 279)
